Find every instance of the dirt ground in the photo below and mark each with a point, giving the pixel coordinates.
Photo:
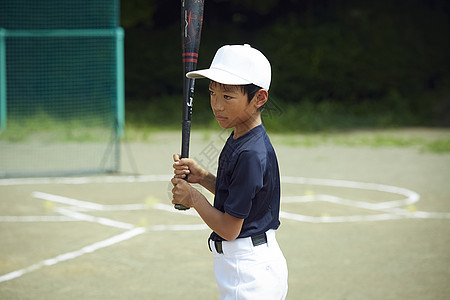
(358, 222)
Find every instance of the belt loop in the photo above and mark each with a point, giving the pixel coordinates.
(209, 244)
(218, 246)
(259, 239)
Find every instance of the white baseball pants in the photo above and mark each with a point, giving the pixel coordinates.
(244, 271)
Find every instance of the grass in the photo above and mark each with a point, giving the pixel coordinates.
(281, 116)
(438, 146)
(300, 124)
(47, 129)
(372, 139)
(297, 124)
(431, 140)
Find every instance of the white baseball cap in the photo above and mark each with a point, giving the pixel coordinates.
(237, 65)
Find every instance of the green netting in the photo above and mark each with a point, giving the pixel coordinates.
(61, 87)
(59, 14)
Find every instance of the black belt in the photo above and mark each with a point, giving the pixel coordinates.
(257, 240)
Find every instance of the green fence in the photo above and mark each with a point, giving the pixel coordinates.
(61, 87)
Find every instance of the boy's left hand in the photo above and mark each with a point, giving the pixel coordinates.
(183, 193)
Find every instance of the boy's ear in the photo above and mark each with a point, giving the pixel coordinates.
(261, 97)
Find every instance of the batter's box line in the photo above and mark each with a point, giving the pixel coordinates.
(391, 213)
(74, 254)
(70, 213)
(338, 200)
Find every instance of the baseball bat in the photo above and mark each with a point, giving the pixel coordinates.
(191, 28)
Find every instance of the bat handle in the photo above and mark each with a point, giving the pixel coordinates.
(186, 130)
(181, 207)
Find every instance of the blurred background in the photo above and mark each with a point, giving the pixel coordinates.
(336, 64)
(78, 77)
(359, 114)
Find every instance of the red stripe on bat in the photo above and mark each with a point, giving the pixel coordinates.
(190, 60)
(190, 54)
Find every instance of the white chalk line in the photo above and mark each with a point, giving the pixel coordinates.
(411, 196)
(74, 254)
(73, 210)
(392, 206)
(85, 205)
(72, 213)
(389, 213)
(97, 246)
(79, 205)
(99, 220)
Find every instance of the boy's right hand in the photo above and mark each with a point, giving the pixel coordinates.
(186, 166)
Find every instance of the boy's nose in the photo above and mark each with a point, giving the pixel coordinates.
(217, 106)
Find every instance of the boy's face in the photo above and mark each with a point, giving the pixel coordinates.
(230, 105)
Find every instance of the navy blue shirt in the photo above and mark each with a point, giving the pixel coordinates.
(248, 183)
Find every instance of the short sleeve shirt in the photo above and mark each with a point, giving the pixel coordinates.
(248, 183)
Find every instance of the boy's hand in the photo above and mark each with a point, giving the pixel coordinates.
(183, 193)
(186, 166)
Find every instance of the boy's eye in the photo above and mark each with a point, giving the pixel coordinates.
(227, 97)
(211, 93)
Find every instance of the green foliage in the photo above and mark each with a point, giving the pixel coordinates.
(364, 52)
(137, 12)
(279, 116)
(307, 116)
(335, 63)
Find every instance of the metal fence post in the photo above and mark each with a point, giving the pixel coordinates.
(3, 107)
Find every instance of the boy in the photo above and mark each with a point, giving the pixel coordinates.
(248, 263)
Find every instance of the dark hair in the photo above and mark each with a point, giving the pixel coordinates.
(249, 89)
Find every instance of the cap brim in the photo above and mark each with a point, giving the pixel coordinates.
(218, 75)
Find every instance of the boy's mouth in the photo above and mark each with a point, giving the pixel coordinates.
(220, 118)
